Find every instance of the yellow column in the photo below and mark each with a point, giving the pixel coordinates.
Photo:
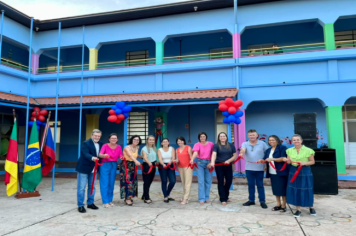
(93, 58)
(92, 123)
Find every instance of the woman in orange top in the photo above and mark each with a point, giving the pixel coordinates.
(184, 155)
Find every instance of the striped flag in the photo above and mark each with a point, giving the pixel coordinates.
(11, 168)
(32, 174)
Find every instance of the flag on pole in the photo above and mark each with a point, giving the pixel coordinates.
(11, 180)
(48, 154)
(32, 174)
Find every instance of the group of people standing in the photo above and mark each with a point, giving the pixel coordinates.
(205, 156)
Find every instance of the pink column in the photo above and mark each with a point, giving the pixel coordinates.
(236, 45)
(240, 137)
(35, 60)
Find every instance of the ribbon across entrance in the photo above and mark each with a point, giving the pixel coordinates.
(95, 170)
(225, 164)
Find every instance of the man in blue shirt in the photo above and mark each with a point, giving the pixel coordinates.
(254, 151)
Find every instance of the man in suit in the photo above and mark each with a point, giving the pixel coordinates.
(85, 167)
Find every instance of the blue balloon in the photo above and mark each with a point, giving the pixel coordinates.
(38, 127)
(38, 122)
(226, 113)
(231, 118)
(237, 121)
(239, 113)
(30, 123)
(118, 111)
(113, 108)
(226, 120)
(127, 109)
(44, 124)
(120, 104)
(126, 115)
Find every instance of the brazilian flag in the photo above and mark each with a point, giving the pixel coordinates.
(32, 174)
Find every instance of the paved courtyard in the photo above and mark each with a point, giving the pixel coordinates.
(55, 213)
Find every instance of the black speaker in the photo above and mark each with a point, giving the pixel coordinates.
(305, 126)
(325, 172)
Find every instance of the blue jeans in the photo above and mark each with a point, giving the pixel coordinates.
(107, 181)
(255, 178)
(205, 179)
(171, 176)
(83, 180)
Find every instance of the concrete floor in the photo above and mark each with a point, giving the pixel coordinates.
(55, 213)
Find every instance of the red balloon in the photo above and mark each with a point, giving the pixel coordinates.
(221, 102)
(112, 112)
(232, 110)
(223, 107)
(44, 112)
(41, 118)
(238, 104)
(229, 102)
(36, 109)
(32, 118)
(112, 118)
(118, 121)
(33, 114)
(121, 117)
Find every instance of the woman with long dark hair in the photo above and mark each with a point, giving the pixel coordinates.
(149, 154)
(128, 181)
(224, 153)
(279, 178)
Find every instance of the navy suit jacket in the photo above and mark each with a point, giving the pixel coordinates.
(280, 151)
(85, 164)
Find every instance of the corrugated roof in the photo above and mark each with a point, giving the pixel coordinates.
(138, 97)
(16, 98)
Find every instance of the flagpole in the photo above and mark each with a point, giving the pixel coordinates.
(2, 27)
(57, 91)
(28, 91)
(18, 163)
(81, 97)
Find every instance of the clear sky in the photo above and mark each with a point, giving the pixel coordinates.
(51, 9)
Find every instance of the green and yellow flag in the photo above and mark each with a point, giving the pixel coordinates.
(11, 180)
(32, 174)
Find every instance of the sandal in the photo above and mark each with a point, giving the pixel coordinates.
(171, 199)
(183, 202)
(207, 201)
(107, 206)
(283, 209)
(276, 208)
(148, 201)
(166, 200)
(129, 204)
(111, 204)
(223, 203)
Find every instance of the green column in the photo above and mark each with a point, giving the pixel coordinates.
(336, 135)
(159, 53)
(329, 36)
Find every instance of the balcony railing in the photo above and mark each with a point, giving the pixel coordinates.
(137, 62)
(198, 57)
(13, 64)
(53, 69)
(277, 50)
(345, 44)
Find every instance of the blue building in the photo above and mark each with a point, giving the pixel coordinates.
(177, 61)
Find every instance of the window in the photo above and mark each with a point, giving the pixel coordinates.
(345, 38)
(137, 124)
(51, 124)
(222, 127)
(219, 53)
(137, 58)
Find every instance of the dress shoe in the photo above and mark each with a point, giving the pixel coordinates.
(81, 209)
(264, 205)
(93, 207)
(248, 203)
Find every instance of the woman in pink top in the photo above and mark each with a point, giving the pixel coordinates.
(109, 153)
(203, 150)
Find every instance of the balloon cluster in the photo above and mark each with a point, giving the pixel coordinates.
(119, 112)
(231, 111)
(39, 115)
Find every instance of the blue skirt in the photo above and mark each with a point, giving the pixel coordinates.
(300, 192)
(279, 184)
